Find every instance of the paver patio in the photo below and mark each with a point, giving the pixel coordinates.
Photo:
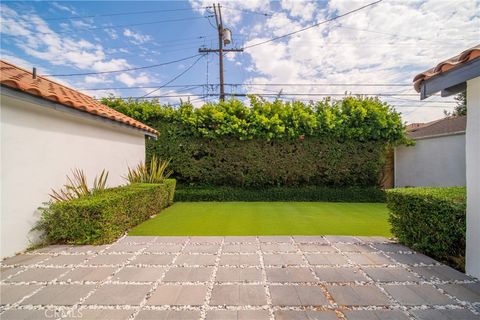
(225, 278)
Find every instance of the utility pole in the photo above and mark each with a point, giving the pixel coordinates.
(224, 38)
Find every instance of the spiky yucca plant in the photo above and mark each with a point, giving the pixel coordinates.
(100, 182)
(156, 172)
(77, 186)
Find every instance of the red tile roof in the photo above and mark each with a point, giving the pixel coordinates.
(448, 125)
(464, 57)
(19, 79)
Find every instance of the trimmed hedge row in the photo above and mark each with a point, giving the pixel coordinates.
(430, 220)
(262, 164)
(307, 193)
(103, 217)
(331, 143)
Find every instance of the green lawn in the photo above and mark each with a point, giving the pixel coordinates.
(268, 218)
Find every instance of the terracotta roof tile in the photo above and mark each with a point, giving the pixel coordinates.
(438, 127)
(465, 56)
(19, 79)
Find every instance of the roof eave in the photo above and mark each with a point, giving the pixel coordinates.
(22, 95)
(438, 135)
(452, 81)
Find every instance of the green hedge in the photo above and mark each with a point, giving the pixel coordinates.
(306, 193)
(329, 143)
(261, 163)
(430, 220)
(105, 216)
(357, 118)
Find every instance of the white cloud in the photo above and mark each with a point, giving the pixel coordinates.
(232, 11)
(22, 63)
(112, 33)
(80, 24)
(387, 43)
(299, 8)
(64, 7)
(136, 37)
(131, 81)
(96, 79)
(52, 47)
(101, 93)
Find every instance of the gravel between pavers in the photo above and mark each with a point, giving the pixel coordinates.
(268, 277)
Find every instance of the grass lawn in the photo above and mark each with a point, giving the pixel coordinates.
(268, 218)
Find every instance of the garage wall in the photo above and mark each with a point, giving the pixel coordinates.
(432, 162)
(39, 147)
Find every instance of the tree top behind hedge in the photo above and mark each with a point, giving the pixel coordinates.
(357, 118)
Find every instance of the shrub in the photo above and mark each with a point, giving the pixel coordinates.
(260, 163)
(104, 216)
(430, 220)
(358, 118)
(156, 172)
(306, 193)
(77, 186)
(329, 143)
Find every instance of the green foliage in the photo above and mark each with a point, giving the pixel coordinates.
(77, 186)
(329, 143)
(361, 119)
(156, 172)
(104, 216)
(430, 220)
(304, 193)
(461, 107)
(259, 163)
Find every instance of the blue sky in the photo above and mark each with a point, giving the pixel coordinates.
(384, 44)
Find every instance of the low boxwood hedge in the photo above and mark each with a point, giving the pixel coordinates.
(305, 193)
(104, 216)
(430, 220)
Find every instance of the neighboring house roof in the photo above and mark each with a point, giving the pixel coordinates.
(441, 127)
(459, 69)
(19, 79)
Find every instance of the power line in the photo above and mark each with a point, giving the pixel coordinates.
(248, 11)
(202, 96)
(314, 25)
(114, 26)
(266, 94)
(272, 84)
(328, 84)
(396, 35)
(175, 78)
(123, 70)
(116, 14)
(180, 41)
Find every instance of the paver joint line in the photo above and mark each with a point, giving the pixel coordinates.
(242, 274)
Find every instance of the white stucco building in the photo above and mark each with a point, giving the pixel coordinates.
(449, 77)
(47, 130)
(438, 157)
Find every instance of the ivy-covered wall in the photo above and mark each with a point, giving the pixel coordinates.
(331, 143)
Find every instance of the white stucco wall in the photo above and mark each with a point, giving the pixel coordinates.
(432, 162)
(39, 147)
(473, 178)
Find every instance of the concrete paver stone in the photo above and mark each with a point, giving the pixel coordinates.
(240, 277)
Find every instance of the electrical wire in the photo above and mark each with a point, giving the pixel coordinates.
(180, 41)
(175, 78)
(266, 94)
(399, 35)
(123, 70)
(116, 14)
(113, 27)
(273, 84)
(313, 26)
(248, 11)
